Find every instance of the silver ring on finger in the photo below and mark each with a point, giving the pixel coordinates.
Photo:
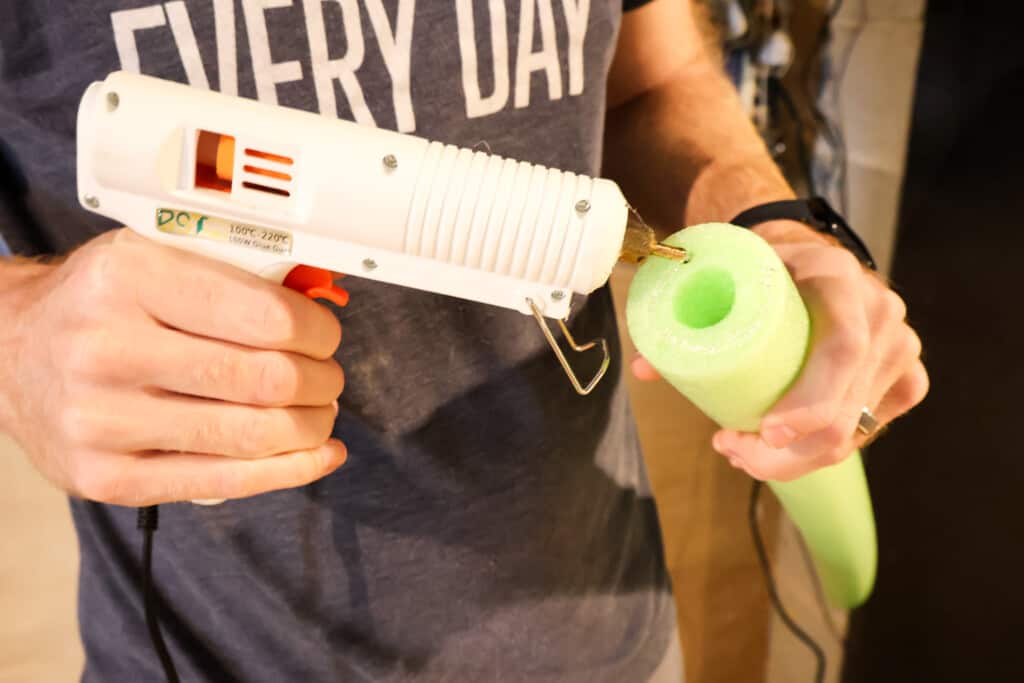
(868, 423)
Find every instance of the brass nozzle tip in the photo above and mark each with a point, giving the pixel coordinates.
(667, 251)
(640, 243)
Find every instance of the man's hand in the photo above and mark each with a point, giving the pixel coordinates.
(136, 374)
(683, 149)
(863, 354)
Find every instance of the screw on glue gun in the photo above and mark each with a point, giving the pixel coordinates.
(640, 243)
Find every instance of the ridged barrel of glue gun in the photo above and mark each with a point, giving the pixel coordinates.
(729, 331)
(277, 187)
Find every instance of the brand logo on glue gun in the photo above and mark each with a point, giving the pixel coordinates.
(195, 224)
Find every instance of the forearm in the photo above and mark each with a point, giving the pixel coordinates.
(685, 152)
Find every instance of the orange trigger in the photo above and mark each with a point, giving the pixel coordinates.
(316, 283)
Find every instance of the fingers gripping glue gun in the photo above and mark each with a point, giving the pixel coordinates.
(296, 197)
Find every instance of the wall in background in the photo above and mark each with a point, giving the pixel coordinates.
(868, 94)
(947, 479)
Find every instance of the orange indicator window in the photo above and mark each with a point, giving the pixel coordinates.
(215, 161)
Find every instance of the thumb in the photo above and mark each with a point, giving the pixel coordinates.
(643, 370)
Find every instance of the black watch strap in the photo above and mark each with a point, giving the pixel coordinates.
(814, 212)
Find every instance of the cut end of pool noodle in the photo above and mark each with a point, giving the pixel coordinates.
(727, 328)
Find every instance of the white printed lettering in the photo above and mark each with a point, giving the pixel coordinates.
(394, 34)
(126, 22)
(266, 72)
(325, 70)
(546, 60)
(397, 52)
(577, 12)
(227, 48)
(185, 38)
(476, 104)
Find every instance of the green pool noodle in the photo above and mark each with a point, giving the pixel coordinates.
(729, 330)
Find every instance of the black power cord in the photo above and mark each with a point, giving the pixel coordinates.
(773, 592)
(149, 519)
(147, 522)
(819, 591)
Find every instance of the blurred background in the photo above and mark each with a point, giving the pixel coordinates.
(907, 118)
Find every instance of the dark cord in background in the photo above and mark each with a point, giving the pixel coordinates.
(819, 590)
(773, 592)
(147, 522)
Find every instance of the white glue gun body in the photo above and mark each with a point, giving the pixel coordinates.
(268, 188)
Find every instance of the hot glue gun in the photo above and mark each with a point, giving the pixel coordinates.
(215, 174)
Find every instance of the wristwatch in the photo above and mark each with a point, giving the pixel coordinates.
(815, 213)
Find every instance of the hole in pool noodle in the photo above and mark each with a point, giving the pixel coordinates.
(705, 298)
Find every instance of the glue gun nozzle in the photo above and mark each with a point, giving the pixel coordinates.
(640, 243)
(670, 252)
